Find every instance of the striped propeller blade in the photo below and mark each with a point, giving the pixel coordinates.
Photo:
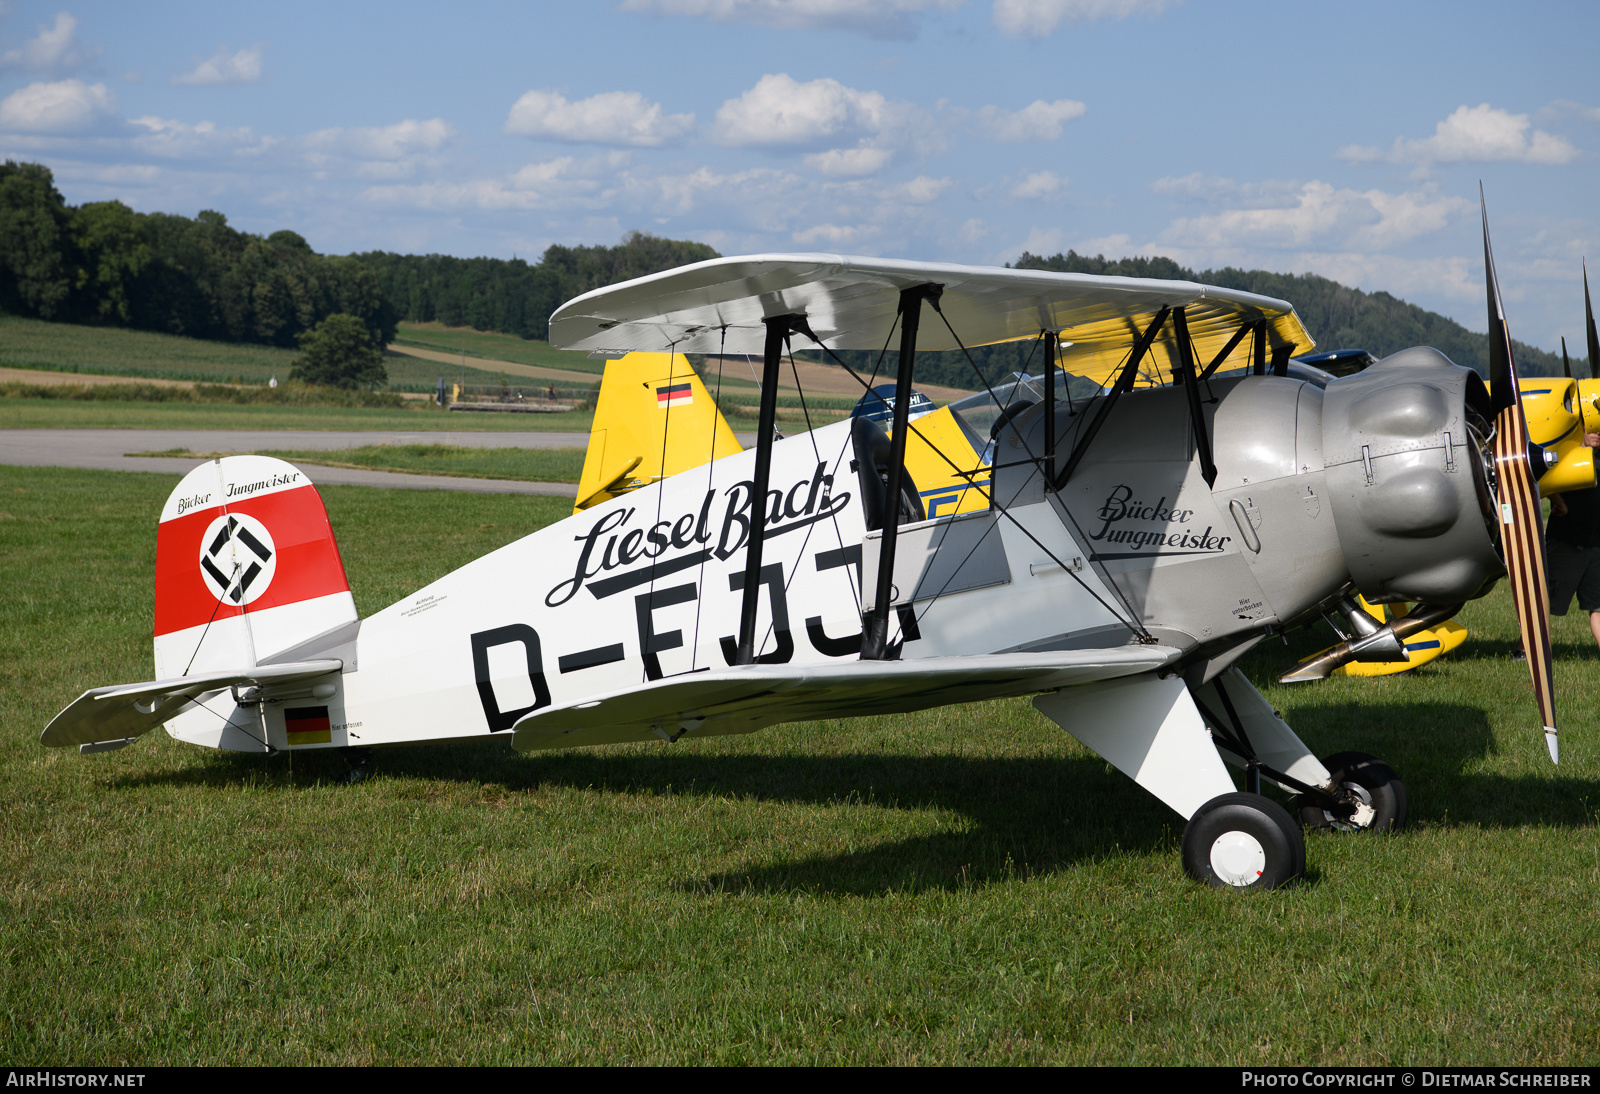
(1588, 321)
(1521, 530)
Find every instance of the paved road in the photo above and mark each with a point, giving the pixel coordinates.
(105, 449)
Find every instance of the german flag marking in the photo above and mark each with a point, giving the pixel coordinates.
(308, 725)
(674, 395)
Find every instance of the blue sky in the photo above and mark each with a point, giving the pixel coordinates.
(1346, 140)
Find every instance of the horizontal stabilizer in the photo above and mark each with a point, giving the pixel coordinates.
(122, 712)
(748, 697)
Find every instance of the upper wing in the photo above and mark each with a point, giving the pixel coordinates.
(851, 302)
(748, 697)
(124, 711)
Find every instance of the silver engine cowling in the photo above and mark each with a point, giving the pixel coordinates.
(1410, 479)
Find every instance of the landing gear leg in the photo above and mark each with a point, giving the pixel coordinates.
(1245, 841)
(360, 761)
(1375, 796)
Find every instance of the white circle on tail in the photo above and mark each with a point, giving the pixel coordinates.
(237, 558)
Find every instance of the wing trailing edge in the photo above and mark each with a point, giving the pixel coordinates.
(750, 697)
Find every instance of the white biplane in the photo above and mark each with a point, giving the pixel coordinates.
(1134, 545)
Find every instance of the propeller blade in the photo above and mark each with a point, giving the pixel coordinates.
(1521, 530)
(1566, 362)
(1588, 315)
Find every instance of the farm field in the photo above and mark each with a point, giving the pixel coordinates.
(494, 346)
(116, 351)
(111, 351)
(68, 414)
(966, 885)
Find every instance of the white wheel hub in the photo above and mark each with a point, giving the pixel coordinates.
(1237, 858)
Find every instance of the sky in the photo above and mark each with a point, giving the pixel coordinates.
(1347, 140)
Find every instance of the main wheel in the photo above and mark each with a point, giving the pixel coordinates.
(1380, 796)
(1243, 840)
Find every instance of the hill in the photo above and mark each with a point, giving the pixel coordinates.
(1337, 316)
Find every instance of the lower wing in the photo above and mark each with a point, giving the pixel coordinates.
(749, 697)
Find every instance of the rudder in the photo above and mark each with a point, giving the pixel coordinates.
(246, 568)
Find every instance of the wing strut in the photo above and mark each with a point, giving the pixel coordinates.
(778, 329)
(875, 627)
(1197, 414)
(1049, 410)
(1123, 382)
(1233, 343)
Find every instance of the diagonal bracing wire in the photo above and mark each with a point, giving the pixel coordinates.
(1132, 622)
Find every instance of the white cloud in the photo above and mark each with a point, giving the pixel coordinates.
(243, 67)
(172, 139)
(850, 162)
(921, 190)
(780, 110)
(1369, 220)
(1038, 121)
(66, 106)
(836, 235)
(1476, 134)
(1195, 184)
(613, 117)
(55, 49)
(564, 182)
(1040, 184)
(891, 19)
(1037, 18)
(388, 142)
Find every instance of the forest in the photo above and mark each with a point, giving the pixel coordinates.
(104, 263)
(517, 297)
(101, 262)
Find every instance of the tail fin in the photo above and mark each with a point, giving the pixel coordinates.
(246, 568)
(654, 419)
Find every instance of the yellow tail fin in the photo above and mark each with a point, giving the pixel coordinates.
(654, 418)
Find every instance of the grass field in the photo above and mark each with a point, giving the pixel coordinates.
(494, 345)
(115, 351)
(966, 885)
(65, 414)
(524, 464)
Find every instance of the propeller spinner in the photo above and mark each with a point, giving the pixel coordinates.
(1517, 501)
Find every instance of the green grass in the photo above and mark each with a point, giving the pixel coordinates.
(964, 885)
(113, 351)
(524, 464)
(67, 414)
(494, 345)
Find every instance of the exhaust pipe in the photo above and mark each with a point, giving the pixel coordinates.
(1389, 636)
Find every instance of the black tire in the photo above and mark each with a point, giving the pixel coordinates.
(1234, 836)
(1373, 781)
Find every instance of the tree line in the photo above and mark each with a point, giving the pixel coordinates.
(101, 262)
(514, 296)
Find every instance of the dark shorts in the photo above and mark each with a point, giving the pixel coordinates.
(1573, 570)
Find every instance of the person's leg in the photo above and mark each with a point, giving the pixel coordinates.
(1594, 626)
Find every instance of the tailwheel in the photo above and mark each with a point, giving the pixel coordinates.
(360, 761)
(1245, 841)
(1374, 797)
